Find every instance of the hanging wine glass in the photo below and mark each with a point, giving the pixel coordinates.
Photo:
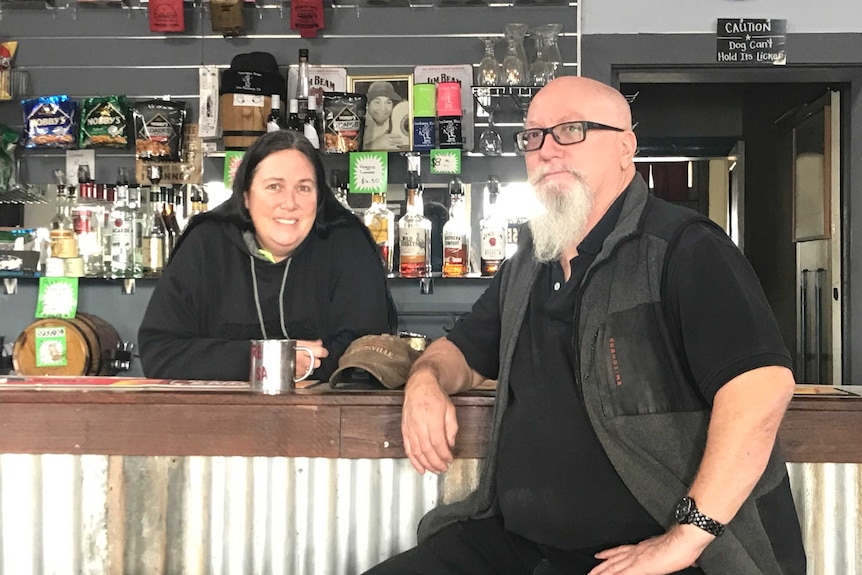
(488, 73)
(550, 34)
(490, 141)
(514, 67)
(541, 71)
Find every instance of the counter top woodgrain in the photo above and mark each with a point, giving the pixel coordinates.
(311, 423)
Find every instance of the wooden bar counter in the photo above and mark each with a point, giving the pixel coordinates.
(819, 426)
(306, 483)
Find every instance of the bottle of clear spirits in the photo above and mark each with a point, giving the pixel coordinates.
(381, 222)
(414, 234)
(492, 232)
(125, 262)
(88, 217)
(456, 234)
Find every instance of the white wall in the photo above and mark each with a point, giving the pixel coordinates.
(699, 16)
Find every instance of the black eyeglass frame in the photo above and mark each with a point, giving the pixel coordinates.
(586, 126)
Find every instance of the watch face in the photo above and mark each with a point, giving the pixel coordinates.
(683, 509)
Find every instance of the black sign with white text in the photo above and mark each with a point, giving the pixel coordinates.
(751, 41)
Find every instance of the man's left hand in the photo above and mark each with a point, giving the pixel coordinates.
(674, 551)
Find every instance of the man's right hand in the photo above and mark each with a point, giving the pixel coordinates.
(428, 423)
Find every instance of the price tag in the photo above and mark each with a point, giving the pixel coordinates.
(446, 161)
(50, 346)
(58, 297)
(369, 172)
(232, 160)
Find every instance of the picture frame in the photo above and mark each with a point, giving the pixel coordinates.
(811, 178)
(389, 111)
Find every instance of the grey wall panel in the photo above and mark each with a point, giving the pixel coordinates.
(82, 53)
(133, 82)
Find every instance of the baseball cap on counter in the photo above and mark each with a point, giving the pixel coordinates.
(385, 358)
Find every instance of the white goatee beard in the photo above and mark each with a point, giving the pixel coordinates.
(567, 207)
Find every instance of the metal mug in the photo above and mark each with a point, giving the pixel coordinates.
(273, 365)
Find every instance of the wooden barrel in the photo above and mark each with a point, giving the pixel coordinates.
(83, 345)
(243, 119)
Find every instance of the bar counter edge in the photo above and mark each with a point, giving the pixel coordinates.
(815, 429)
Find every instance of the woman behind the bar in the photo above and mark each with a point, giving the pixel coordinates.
(282, 258)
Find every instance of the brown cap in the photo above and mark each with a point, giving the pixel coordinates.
(386, 357)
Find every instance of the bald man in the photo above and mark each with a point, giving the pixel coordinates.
(641, 381)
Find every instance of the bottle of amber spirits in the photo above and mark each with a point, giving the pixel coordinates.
(414, 234)
(64, 244)
(492, 232)
(456, 234)
(381, 223)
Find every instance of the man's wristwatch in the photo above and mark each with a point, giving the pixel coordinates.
(687, 513)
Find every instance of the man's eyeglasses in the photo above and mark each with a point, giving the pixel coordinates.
(564, 134)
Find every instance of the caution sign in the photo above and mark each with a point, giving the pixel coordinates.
(751, 41)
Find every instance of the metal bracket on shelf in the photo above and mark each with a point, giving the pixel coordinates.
(426, 286)
(10, 285)
(128, 286)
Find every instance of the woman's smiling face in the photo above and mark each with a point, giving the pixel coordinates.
(282, 201)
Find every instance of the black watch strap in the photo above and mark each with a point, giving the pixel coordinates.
(688, 513)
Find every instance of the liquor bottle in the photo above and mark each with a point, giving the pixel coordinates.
(302, 80)
(310, 127)
(293, 121)
(87, 219)
(275, 122)
(153, 261)
(125, 262)
(197, 201)
(414, 234)
(62, 233)
(170, 218)
(303, 84)
(492, 232)
(340, 189)
(456, 234)
(381, 223)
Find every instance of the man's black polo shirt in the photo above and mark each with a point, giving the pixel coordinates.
(555, 485)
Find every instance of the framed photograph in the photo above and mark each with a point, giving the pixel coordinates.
(389, 115)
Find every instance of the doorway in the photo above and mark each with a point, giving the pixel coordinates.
(744, 135)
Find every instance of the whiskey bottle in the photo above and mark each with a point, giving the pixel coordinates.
(153, 261)
(456, 234)
(492, 232)
(381, 222)
(414, 234)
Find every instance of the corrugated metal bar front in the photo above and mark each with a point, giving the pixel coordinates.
(828, 499)
(94, 515)
(212, 515)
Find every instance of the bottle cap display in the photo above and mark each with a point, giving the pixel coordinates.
(448, 99)
(424, 100)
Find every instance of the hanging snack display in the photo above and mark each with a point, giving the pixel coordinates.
(159, 130)
(343, 122)
(104, 122)
(49, 122)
